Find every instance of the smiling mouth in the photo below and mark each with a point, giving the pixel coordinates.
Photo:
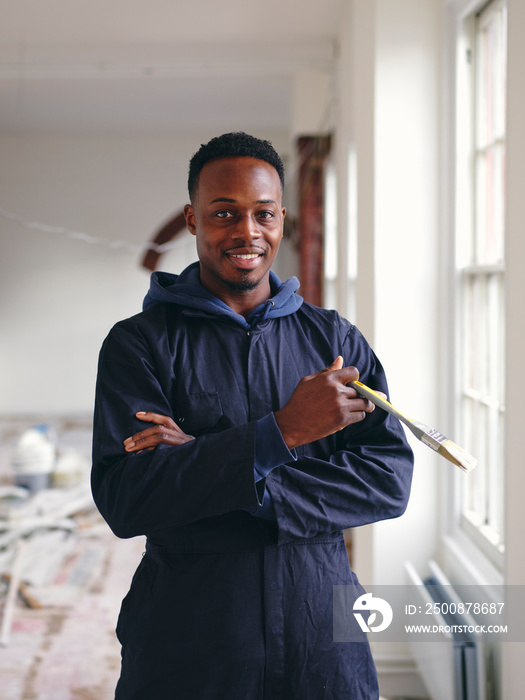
(245, 261)
(245, 256)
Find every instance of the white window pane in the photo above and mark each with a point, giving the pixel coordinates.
(482, 283)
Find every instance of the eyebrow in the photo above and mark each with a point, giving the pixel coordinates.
(233, 201)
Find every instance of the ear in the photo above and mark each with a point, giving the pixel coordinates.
(189, 215)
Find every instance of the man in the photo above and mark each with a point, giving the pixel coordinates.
(219, 435)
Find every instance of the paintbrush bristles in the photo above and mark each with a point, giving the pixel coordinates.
(457, 455)
(448, 449)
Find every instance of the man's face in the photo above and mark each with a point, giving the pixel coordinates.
(237, 218)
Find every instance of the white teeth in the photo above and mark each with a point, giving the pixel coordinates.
(250, 256)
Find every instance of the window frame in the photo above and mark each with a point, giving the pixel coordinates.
(462, 535)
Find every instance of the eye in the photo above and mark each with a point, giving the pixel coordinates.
(266, 215)
(223, 214)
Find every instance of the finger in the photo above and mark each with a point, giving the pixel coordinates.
(150, 437)
(139, 445)
(336, 364)
(157, 418)
(358, 410)
(347, 374)
(160, 432)
(148, 432)
(150, 441)
(358, 405)
(344, 374)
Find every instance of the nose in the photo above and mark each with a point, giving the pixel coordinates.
(246, 228)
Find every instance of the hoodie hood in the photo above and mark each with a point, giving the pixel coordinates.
(186, 290)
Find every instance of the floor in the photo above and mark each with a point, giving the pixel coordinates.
(67, 649)
(62, 646)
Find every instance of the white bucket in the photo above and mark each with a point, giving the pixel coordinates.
(33, 458)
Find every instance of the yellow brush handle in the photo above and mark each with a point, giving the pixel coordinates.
(373, 396)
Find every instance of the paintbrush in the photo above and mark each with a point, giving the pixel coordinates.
(434, 439)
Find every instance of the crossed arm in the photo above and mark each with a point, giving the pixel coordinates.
(321, 404)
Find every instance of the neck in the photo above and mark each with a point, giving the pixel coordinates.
(242, 301)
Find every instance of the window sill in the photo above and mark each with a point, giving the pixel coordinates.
(465, 564)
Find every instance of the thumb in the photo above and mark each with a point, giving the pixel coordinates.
(336, 364)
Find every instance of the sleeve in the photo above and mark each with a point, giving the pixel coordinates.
(360, 475)
(271, 451)
(139, 493)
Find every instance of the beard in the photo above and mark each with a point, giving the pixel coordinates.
(243, 285)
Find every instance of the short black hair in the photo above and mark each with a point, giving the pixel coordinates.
(232, 145)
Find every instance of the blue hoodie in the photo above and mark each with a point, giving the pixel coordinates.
(186, 289)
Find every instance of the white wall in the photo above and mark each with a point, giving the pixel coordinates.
(407, 218)
(60, 296)
(395, 134)
(389, 82)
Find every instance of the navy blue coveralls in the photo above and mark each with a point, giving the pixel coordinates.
(233, 598)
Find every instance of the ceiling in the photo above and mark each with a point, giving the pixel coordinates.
(157, 66)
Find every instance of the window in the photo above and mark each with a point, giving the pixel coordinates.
(480, 225)
(330, 237)
(340, 240)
